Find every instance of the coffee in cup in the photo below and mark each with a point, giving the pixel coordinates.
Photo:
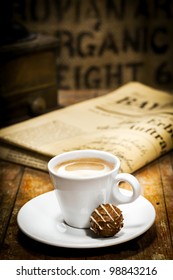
(83, 167)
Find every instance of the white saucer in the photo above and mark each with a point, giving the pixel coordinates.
(41, 219)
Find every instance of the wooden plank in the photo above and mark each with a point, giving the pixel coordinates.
(160, 246)
(157, 244)
(10, 177)
(18, 245)
(166, 170)
(33, 183)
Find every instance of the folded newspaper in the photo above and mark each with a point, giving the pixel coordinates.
(134, 122)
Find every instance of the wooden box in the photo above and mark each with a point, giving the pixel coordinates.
(28, 84)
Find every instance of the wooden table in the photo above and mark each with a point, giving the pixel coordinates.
(19, 184)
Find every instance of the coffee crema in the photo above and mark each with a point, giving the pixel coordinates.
(83, 167)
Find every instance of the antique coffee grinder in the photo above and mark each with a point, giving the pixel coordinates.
(28, 84)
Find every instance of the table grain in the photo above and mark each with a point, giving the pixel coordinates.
(19, 184)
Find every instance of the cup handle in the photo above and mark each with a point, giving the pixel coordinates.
(117, 194)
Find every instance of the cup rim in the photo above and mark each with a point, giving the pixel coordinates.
(95, 153)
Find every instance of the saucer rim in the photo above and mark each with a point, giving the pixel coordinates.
(99, 242)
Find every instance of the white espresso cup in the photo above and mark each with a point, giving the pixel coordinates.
(84, 179)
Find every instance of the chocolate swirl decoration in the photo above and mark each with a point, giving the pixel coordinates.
(106, 220)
